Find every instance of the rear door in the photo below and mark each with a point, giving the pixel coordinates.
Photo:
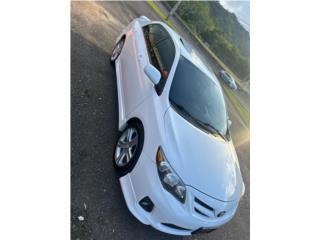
(133, 59)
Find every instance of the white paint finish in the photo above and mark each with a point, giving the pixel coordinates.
(143, 181)
(132, 60)
(208, 166)
(122, 120)
(202, 160)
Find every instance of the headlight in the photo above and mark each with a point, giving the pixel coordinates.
(169, 179)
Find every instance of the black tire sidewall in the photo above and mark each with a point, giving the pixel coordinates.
(129, 167)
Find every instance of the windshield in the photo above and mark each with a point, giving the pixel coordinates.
(198, 98)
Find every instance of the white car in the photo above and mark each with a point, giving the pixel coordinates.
(178, 168)
(228, 79)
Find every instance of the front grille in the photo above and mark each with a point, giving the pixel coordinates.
(203, 204)
(203, 209)
(202, 230)
(175, 226)
(198, 211)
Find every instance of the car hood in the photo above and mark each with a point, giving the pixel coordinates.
(202, 161)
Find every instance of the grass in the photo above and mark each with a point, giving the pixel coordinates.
(161, 14)
(245, 115)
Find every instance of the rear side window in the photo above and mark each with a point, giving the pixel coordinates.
(161, 50)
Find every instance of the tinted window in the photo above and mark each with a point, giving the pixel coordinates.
(198, 97)
(227, 74)
(166, 52)
(229, 78)
(156, 33)
(161, 49)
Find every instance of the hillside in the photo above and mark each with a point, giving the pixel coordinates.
(221, 31)
(231, 28)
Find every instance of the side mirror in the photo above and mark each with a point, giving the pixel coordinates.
(229, 123)
(152, 73)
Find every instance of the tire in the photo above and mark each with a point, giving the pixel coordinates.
(125, 164)
(116, 51)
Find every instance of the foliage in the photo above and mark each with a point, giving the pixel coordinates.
(221, 31)
(160, 13)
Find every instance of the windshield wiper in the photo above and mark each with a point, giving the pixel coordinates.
(208, 125)
(204, 125)
(182, 109)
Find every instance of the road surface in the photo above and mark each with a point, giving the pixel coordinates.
(98, 209)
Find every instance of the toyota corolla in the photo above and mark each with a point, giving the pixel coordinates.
(178, 168)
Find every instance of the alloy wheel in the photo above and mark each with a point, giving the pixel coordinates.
(126, 147)
(117, 50)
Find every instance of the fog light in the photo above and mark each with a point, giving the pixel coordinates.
(220, 214)
(146, 204)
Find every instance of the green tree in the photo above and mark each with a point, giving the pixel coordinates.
(221, 31)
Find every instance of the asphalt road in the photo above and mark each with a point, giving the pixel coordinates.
(98, 209)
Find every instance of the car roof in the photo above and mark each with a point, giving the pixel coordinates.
(189, 52)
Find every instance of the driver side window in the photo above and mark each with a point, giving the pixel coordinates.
(161, 50)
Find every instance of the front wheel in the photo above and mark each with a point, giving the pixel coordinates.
(116, 51)
(128, 148)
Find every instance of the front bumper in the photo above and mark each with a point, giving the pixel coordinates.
(168, 214)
